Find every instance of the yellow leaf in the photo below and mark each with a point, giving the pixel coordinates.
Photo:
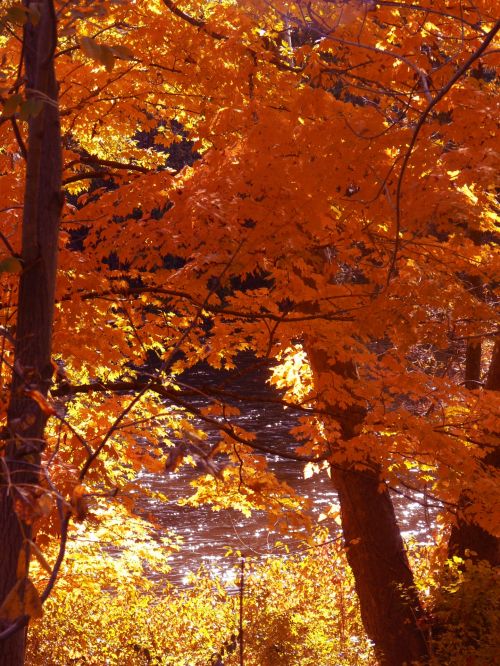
(9, 108)
(107, 57)
(23, 599)
(44, 504)
(32, 601)
(40, 557)
(310, 469)
(123, 52)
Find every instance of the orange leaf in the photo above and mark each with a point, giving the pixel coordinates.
(42, 402)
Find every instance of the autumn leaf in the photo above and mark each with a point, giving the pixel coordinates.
(11, 105)
(32, 604)
(101, 53)
(30, 108)
(17, 14)
(123, 52)
(79, 502)
(23, 599)
(40, 557)
(12, 606)
(11, 265)
(41, 401)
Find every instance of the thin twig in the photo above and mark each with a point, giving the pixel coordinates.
(19, 139)
(111, 430)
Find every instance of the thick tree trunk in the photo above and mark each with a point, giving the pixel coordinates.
(390, 607)
(32, 367)
(466, 536)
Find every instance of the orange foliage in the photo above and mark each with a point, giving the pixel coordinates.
(344, 195)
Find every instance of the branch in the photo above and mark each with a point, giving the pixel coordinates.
(444, 90)
(327, 33)
(429, 10)
(85, 176)
(112, 164)
(197, 23)
(7, 244)
(21, 622)
(19, 139)
(174, 398)
(60, 556)
(337, 315)
(112, 429)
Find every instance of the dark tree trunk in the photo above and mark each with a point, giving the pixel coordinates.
(473, 365)
(467, 539)
(473, 352)
(32, 367)
(390, 607)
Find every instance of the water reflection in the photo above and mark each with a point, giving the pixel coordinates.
(208, 534)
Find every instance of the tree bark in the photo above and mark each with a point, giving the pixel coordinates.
(390, 607)
(23, 438)
(468, 539)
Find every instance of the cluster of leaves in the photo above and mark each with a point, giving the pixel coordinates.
(466, 606)
(298, 610)
(299, 183)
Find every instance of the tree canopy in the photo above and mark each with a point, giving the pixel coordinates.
(313, 183)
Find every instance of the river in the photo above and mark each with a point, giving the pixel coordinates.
(207, 534)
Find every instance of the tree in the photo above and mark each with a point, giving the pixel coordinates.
(324, 253)
(32, 369)
(346, 165)
(468, 538)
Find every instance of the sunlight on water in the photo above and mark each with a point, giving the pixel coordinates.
(208, 534)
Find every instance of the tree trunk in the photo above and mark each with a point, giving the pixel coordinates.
(390, 607)
(466, 536)
(32, 361)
